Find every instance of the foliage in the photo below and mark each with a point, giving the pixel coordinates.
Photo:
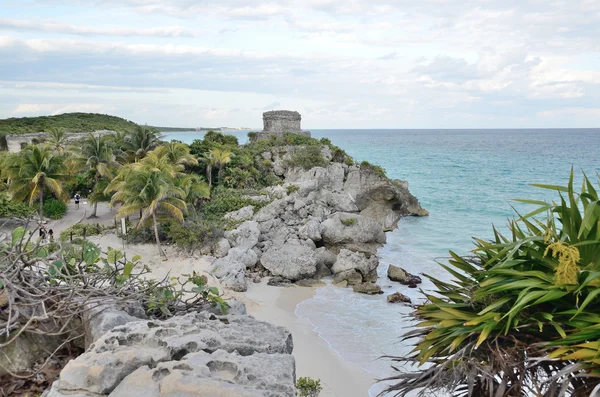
(308, 387)
(54, 209)
(520, 318)
(225, 200)
(213, 140)
(139, 142)
(35, 170)
(82, 230)
(365, 165)
(348, 221)
(69, 122)
(307, 157)
(194, 233)
(46, 291)
(14, 209)
(292, 189)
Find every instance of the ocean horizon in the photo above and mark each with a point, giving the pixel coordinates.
(467, 180)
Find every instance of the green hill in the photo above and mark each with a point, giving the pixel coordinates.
(69, 122)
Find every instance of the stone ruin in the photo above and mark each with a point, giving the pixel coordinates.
(278, 122)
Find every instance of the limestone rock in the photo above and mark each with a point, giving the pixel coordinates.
(367, 288)
(351, 277)
(325, 257)
(291, 261)
(245, 236)
(348, 260)
(311, 230)
(243, 214)
(231, 269)
(271, 211)
(195, 354)
(396, 273)
(279, 282)
(309, 282)
(398, 298)
(221, 248)
(329, 178)
(342, 228)
(101, 317)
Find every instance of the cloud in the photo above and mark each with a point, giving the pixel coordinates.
(54, 27)
(271, 106)
(388, 57)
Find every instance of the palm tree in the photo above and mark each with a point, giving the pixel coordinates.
(57, 139)
(194, 189)
(177, 153)
(95, 153)
(222, 158)
(152, 192)
(33, 171)
(118, 143)
(140, 142)
(210, 159)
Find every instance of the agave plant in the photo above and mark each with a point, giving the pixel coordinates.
(521, 316)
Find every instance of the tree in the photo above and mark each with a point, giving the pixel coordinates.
(33, 171)
(151, 191)
(216, 157)
(177, 153)
(95, 154)
(140, 142)
(194, 189)
(521, 316)
(57, 139)
(210, 160)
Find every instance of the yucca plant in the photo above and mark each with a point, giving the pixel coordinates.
(521, 317)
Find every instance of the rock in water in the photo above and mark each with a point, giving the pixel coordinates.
(197, 354)
(367, 288)
(396, 273)
(398, 297)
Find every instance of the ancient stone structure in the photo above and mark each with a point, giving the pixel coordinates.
(277, 122)
(16, 142)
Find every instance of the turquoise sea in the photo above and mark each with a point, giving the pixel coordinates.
(466, 179)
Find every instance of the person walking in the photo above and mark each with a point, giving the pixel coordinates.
(42, 233)
(51, 235)
(77, 197)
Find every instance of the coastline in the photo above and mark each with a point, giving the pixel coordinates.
(276, 305)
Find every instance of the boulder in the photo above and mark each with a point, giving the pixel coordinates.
(322, 271)
(271, 211)
(245, 236)
(231, 269)
(325, 257)
(351, 277)
(343, 228)
(100, 317)
(367, 288)
(396, 273)
(221, 248)
(243, 214)
(309, 282)
(348, 260)
(195, 354)
(279, 282)
(311, 230)
(327, 178)
(398, 298)
(291, 261)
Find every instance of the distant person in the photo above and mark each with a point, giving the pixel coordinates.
(42, 232)
(51, 235)
(77, 197)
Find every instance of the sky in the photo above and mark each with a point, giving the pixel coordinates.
(340, 63)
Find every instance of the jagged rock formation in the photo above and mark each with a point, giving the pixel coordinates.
(198, 354)
(322, 221)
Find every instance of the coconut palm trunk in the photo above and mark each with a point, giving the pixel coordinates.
(209, 174)
(41, 202)
(160, 251)
(96, 179)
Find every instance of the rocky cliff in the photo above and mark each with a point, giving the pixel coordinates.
(322, 221)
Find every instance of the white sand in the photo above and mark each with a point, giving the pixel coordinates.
(276, 305)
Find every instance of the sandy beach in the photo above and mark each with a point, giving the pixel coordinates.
(276, 305)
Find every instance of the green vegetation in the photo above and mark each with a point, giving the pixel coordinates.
(292, 189)
(54, 209)
(522, 312)
(13, 209)
(308, 387)
(348, 221)
(365, 165)
(68, 122)
(307, 158)
(81, 230)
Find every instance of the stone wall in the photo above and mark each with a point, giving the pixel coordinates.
(279, 121)
(16, 142)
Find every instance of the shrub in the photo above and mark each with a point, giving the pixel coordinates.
(292, 189)
(14, 209)
(307, 157)
(194, 233)
(308, 387)
(54, 209)
(365, 165)
(348, 221)
(79, 229)
(521, 314)
(225, 200)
